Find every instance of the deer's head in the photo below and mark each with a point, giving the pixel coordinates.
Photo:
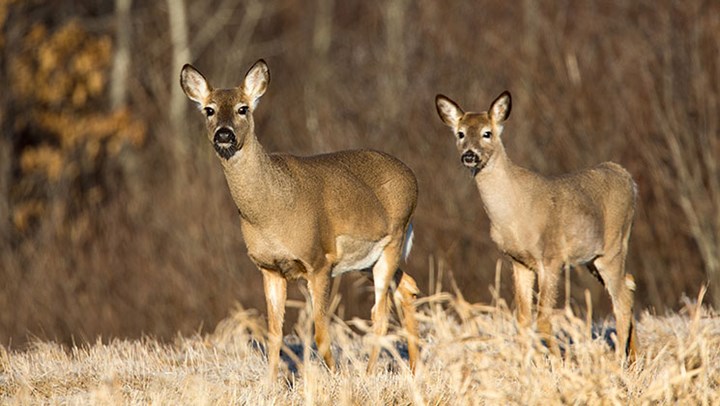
(477, 134)
(228, 112)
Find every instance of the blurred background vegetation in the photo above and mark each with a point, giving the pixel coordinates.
(115, 219)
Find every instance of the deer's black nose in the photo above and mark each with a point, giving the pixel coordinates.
(224, 136)
(469, 158)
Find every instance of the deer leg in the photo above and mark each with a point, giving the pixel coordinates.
(382, 272)
(621, 288)
(524, 279)
(275, 294)
(405, 294)
(547, 295)
(318, 285)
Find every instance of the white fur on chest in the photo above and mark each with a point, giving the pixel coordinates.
(356, 254)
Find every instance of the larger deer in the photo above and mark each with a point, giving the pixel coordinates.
(311, 217)
(546, 224)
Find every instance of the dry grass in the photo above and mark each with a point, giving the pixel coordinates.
(472, 354)
(117, 222)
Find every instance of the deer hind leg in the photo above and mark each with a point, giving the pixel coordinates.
(547, 295)
(621, 288)
(318, 285)
(523, 279)
(275, 294)
(382, 274)
(405, 294)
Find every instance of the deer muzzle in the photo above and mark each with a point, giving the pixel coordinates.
(470, 158)
(225, 142)
(224, 136)
(472, 161)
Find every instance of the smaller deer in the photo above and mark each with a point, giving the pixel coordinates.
(546, 224)
(311, 217)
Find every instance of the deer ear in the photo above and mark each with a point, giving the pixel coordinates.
(450, 113)
(500, 108)
(256, 81)
(194, 84)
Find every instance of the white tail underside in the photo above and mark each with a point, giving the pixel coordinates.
(407, 245)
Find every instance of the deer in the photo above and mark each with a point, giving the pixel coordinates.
(545, 225)
(312, 217)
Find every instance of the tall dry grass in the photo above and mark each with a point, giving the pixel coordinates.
(471, 354)
(117, 233)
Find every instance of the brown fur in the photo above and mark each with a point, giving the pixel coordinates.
(546, 224)
(308, 217)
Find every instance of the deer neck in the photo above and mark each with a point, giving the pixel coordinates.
(260, 187)
(501, 190)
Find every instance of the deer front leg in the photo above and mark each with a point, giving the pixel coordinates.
(275, 294)
(547, 294)
(524, 279)
(318, 285)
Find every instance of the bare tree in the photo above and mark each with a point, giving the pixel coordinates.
(181, 56)
(394, 82)
(121, 60)
(320, 72)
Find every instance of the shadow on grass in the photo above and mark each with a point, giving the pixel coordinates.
(293, 351)
(599, 332)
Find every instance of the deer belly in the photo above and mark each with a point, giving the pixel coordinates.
(354, 254)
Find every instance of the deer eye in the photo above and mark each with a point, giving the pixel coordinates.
(209, 111)
(487, 134)
(460, 135)
(242, 110)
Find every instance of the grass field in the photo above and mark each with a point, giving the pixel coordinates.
(472, 354)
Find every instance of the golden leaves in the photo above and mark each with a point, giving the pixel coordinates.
(59, 79)
(68, 65)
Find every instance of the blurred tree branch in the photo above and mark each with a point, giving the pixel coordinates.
(254, 10)
(219, 20)
(5, 161)
(320, 69)
(393, 81)
(690, 132)
(119, 83)
(121, 59)
(180, 56)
